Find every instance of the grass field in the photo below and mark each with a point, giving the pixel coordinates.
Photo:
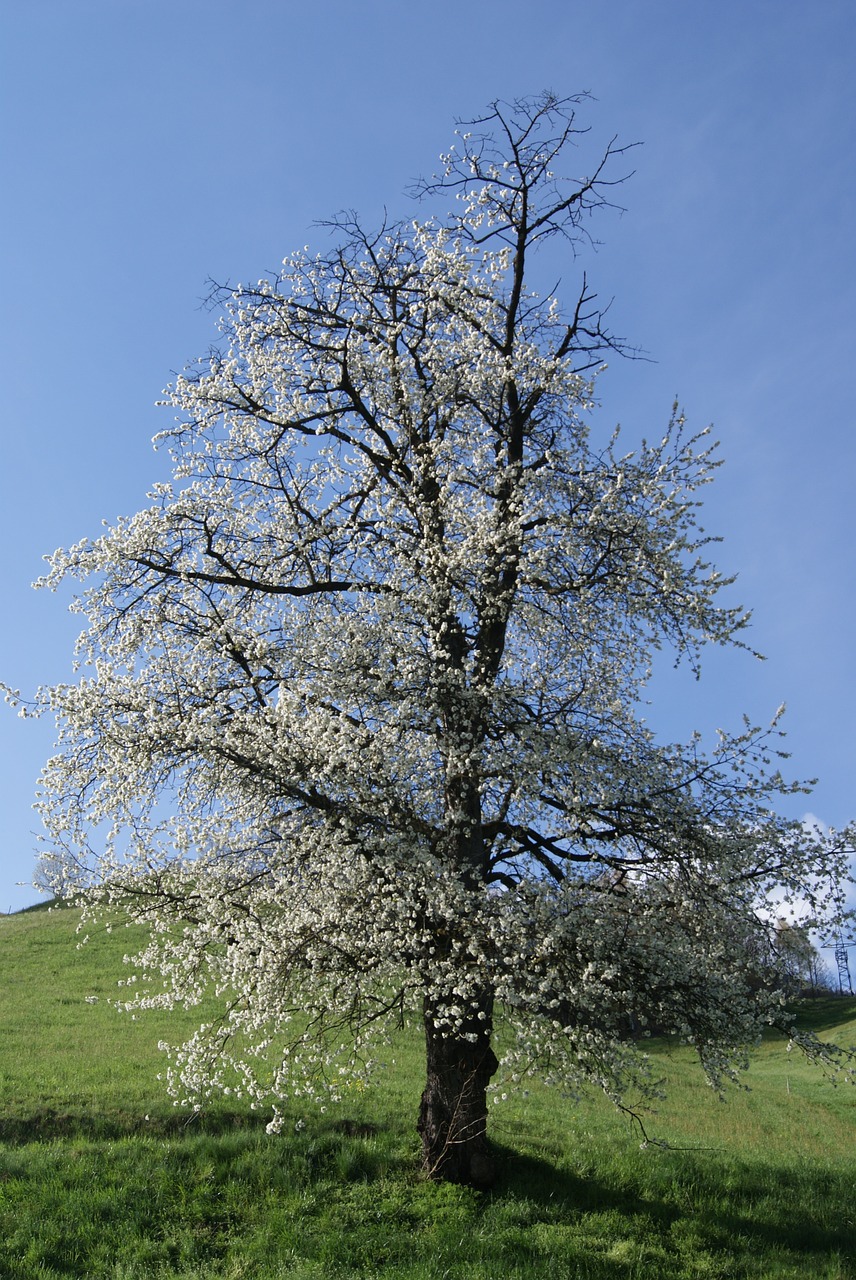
(101, 1177)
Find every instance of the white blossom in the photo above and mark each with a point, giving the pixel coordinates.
(358, 732)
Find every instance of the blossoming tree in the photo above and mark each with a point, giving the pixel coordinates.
(357, 732)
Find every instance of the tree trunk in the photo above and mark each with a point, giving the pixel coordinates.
(453, 1112)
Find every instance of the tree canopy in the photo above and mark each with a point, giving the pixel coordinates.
(359, 726)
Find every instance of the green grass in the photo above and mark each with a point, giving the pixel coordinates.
(101, 1177)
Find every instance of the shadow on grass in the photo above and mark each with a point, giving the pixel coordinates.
(825, 1013)
(751, 1209)
(48, 1125)
(673, 1209)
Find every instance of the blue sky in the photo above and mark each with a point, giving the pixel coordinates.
(151, 145)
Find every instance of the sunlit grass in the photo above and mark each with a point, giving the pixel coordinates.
(101, 1176)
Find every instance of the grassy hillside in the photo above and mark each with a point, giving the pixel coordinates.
(100, 1176)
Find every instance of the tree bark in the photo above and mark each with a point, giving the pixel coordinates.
(453, 1112)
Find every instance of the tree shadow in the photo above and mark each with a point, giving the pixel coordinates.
(749, 1204)
(49, 1124)
(824, 1013)
(678, 1205)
